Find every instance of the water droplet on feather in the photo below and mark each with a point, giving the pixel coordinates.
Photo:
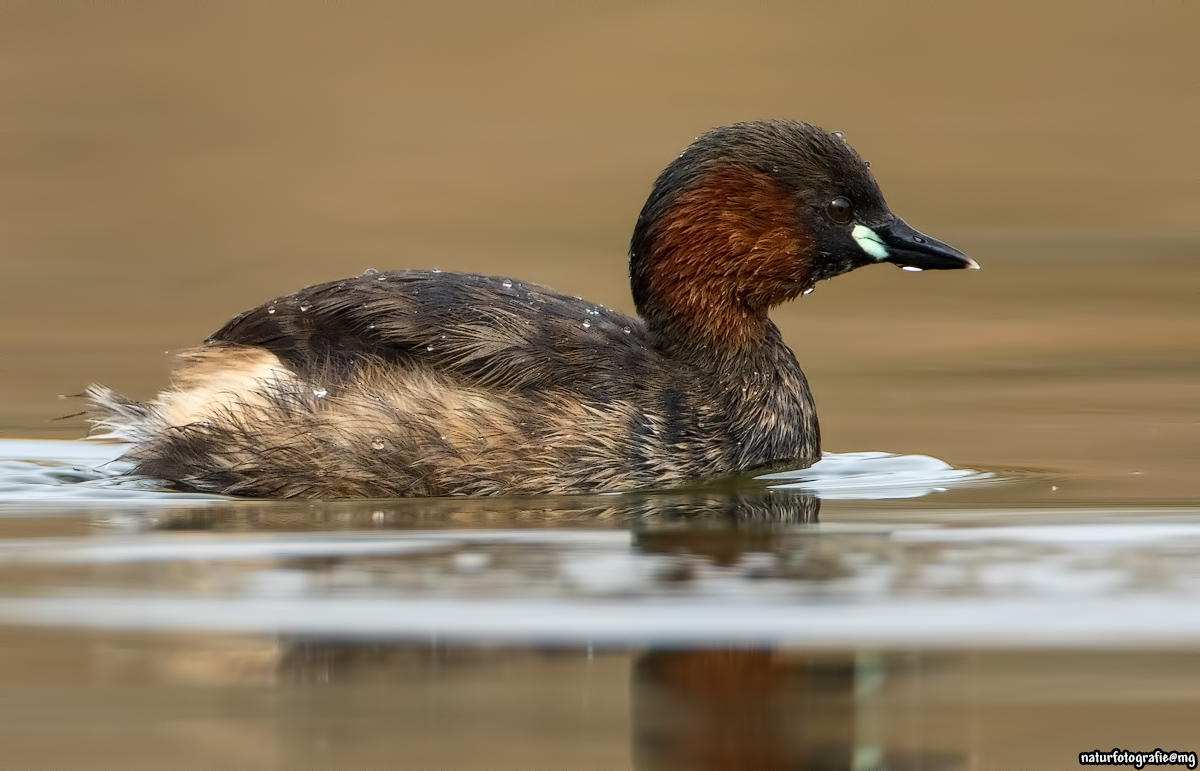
(305, 306)
(506, 283)
(370, 272)
(910, 268)
(320, 393)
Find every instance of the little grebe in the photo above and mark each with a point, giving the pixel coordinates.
(422, 383)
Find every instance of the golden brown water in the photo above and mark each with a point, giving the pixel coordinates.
(163, 168)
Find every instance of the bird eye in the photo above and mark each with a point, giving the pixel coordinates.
(840, 210)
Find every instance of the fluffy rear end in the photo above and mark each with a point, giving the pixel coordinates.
(184, 434)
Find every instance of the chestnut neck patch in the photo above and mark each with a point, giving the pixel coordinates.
(720, 255)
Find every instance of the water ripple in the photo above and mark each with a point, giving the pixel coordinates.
(49, 471)
(875, 476)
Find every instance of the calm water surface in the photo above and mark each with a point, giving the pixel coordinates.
(996, 567)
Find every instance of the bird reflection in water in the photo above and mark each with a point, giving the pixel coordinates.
(768, 710)
(741, 709)
(695, 709)
(744, 503)
(725, 709)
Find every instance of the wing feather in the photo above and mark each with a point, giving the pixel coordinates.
(486, 330)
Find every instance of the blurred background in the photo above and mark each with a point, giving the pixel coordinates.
(164, 166)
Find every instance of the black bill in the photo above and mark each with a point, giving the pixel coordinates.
(909, 248)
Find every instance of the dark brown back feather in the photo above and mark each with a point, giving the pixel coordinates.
(486, 330)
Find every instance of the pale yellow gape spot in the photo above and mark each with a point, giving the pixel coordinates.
(870, 242)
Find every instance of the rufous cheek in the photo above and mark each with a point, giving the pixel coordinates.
(727, 250)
